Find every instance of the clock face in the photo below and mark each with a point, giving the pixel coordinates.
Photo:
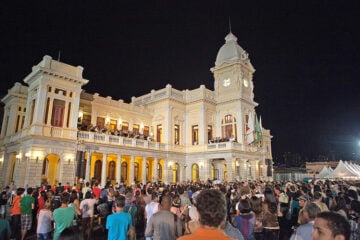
(226, 82)
(246, 82)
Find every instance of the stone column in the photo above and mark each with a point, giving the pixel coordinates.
(230, 168)
(40, 105)
(154, 170)
(103, 170)
(118, 168)
(203, 127)
(51, 103)
(143, 172)
(254, 169)
(87, 167)
(243, 169)
(220, 166)
(166, 171)
(131, 169)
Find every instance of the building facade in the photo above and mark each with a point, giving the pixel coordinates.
(53, 131)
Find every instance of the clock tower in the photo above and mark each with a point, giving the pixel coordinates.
(233, 73)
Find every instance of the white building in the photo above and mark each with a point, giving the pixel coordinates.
(167, 134)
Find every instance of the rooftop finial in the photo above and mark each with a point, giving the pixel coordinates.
(229, 23)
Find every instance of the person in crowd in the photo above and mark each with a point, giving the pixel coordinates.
(27, 204)
(245, 220)
(96, 190)
(304, 231)
(74, 202)
(63, 216)
(184, 197)
(164, 224)
(16, 213)
(45, 219)
(191, 221)
(4, 229)
(257, 208)
(87, 209)
(151, 208)
(211, 207)
(130, 207)
(3, 202)
(319, 201)
(270, 221)
(86, 189)
(119, 222)
(35, 210)
(330, 226)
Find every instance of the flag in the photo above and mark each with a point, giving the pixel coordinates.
(250, 129)
(257, 131)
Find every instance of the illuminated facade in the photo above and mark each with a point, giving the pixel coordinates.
(54, 131)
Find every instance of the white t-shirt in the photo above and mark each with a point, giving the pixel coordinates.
(150, 209)
(44, 221)
(87, 207)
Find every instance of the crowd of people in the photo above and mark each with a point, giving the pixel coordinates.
(250, 210)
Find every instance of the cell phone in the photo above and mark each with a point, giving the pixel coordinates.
(189, 206)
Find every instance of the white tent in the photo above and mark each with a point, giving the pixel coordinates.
(325, 172)
(344, 170)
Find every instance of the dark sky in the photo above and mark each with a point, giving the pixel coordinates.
(306, 55)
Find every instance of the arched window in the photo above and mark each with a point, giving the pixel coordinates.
(97, 170)
(228, 127)
(175, 172)
(136, 172)
(195, 172)
(111, 170)
(159, 171)
(147, 171)
(212, 171)
(123, 171)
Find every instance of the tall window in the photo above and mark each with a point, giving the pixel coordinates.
(159, 171)
(68, 116)
(17, 123)
(97, 170)
(195, 172)
(146, 131)
(57, 117)
(136, 129)
(123, 171)
(47, 110)
(125, 127)
(86, 120)
(159, 133)
(177, 134)
(228, 127)
(136, 172)
(113, 125)
(100, 122)
(209, 132)
(111, 171)
(195, 134)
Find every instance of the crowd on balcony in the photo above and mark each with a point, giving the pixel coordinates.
(115, 132)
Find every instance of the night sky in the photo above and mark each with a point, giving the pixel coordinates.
(306, 55)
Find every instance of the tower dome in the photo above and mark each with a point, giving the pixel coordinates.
(230, 51)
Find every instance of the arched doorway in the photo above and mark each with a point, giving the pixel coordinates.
(212, 171)
(175, 172)
(123, 172)
(111, 170)
(97, 170)
(50, 168)
(195, 172)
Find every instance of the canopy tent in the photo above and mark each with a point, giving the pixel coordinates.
(325, 172)
(344, 170)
